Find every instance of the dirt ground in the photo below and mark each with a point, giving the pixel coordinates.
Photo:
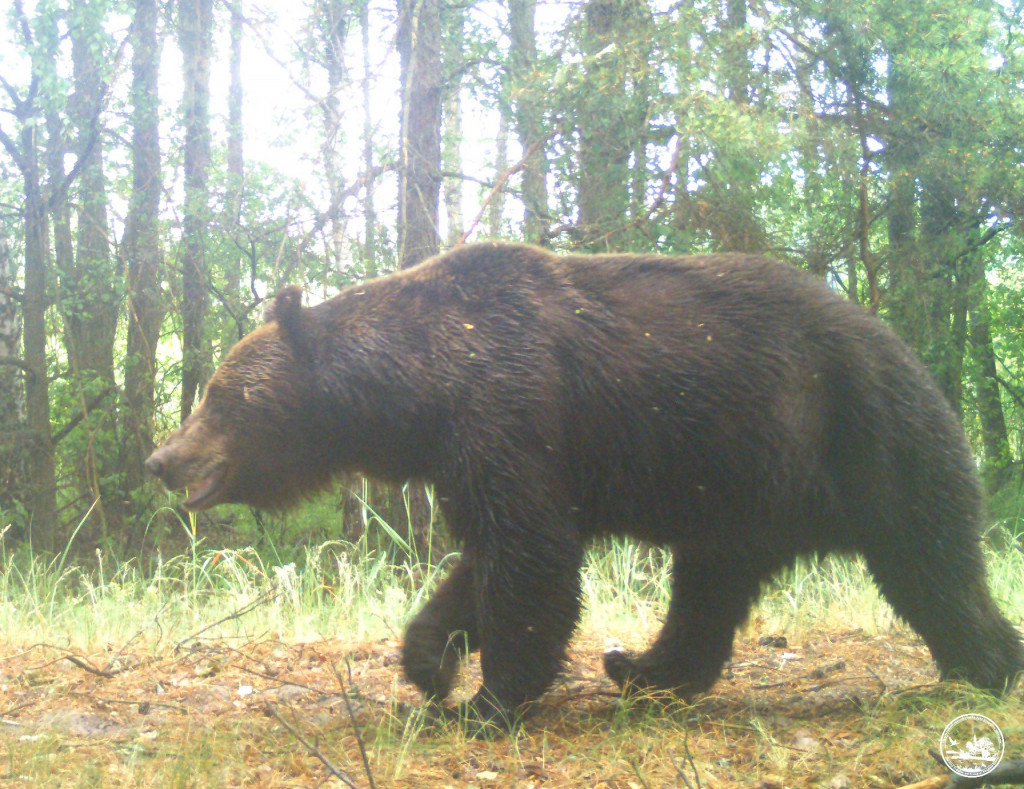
(835, 710)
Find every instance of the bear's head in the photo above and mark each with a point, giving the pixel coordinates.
(253, 438)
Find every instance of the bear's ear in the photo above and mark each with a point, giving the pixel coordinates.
(286, 310)
(286, 307)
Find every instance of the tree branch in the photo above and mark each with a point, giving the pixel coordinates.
(13, 151)
(515, 168)
(21, 364)
(58, 192)
(76, 420)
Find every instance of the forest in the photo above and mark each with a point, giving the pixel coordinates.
(166, 167)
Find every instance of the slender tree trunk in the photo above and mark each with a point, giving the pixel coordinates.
(236, 179)
(333, 21)
(195, 20)
(739, 228)
(496, 209)
(944, 288)
(369, 211)
(12, 389)
(608, 127)
(142, 249)
(419, 47)
(994, 435)
(41, 468)
(603, 198)
(906, 308)
(92, 283)
(89, 287)
(816, 257)
(12, 385)
(927, 279)
(453, 18)
(452, 160)
(735, 57)
(528, 101)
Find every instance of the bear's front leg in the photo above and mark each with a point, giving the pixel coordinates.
(441, 634)
(528, 605)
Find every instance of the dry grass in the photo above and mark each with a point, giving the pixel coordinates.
(216, 674)
(833, 710)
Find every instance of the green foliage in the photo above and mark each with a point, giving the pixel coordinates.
(877, 144)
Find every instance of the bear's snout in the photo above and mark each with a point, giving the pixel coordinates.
(156, 464)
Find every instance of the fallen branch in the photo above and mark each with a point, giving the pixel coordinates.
(313, 749)
(689, 760)
(248, 608)
(140, 703)
(352, 717)
(87, 665)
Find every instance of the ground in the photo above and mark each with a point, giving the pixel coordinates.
(830, 709)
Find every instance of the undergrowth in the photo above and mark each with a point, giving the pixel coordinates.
(362, 592)
(243, 623)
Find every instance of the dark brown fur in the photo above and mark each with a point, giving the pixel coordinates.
(727, 407)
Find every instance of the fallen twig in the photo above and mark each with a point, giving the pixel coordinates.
(680, 771)
(248, 608)
(86, 665)
(169, 705)
(352, 717)
(313, 749)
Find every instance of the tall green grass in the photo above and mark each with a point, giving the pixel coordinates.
(357, 592)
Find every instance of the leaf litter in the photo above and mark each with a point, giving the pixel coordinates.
(830, 709)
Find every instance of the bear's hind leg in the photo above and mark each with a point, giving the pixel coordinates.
(938, 587)
(441, 634)
(710, 598)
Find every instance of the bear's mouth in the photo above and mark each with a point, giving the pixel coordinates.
(203, 493)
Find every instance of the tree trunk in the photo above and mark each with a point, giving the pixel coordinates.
(608, 126)
(142, 251)
(737, 227)
(994, 436)
(41, 498)
(89, 290)
(419, 47)
(496, 208)
(12, 389)
(735, 57)
(906, 308)
(236, 180)
(333, 23)
(451, 112)
(944, 289)
(195, 19)
(528, 101)
(369, 211)
(12, 385)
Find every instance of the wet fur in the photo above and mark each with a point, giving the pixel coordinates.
(729, 408)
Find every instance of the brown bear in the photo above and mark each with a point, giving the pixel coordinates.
(730, 408)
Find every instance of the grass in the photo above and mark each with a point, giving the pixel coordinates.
(169, 671)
